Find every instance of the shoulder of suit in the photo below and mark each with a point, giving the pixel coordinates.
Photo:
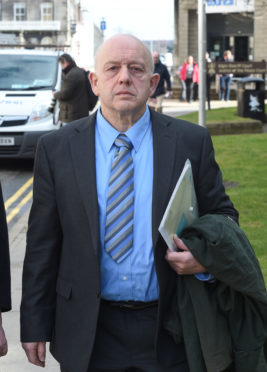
(69, 130)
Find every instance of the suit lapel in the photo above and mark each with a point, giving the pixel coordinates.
(82, 145)
(164, 148)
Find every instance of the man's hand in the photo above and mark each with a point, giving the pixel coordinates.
(3, 341)
(35, 352)
(183, 262)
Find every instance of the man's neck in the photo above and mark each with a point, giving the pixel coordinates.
(122, 121)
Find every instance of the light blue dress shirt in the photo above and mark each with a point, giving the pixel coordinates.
(135, 277)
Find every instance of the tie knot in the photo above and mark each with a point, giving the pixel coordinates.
(123, 141)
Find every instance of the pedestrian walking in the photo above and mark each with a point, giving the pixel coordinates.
(73, 93)
(190, 75)
(156, 100)
(226, 79)
(98, 279)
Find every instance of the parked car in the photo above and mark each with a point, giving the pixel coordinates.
(27, 79)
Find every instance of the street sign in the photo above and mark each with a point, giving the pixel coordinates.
(229, 6)
(240, 68)
(103, 25)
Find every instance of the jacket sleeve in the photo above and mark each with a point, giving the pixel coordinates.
(68, 87)
(183, 72)
(5, 292)
(42, 255)
(210, 190)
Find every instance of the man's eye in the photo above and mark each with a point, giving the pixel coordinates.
(136, 69)
(112, 68)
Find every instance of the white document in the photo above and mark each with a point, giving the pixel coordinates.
(182, 208)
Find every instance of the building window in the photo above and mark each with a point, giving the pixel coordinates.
(19, 12)
(46, 12)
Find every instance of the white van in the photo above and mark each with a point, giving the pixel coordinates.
(27, 78)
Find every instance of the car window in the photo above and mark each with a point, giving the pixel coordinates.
(26, 72)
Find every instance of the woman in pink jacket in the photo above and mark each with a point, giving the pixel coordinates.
(189, 74)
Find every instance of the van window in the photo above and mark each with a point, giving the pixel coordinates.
(27, 72)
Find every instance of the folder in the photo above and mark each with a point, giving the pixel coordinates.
(182, 208)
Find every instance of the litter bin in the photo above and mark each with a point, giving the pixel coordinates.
(250, 98)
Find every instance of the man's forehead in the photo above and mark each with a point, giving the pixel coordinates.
(122, 52)
(124, 47)
(125, 55)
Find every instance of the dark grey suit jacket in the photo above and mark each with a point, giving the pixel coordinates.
(5, 294)
(61, 276)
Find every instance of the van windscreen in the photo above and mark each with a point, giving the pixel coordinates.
(27, 72)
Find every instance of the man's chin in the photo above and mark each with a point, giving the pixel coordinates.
(126, 105)
(130, 108)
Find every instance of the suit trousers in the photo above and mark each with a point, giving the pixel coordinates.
(125, 342)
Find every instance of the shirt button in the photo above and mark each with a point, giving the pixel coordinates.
(124, 278)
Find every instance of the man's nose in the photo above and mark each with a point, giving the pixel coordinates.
(124, 77)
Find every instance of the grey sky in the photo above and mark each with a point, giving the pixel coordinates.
(147, 19)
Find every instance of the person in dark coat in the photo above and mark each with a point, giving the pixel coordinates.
(156, 99)
(73, 94)
(5, 292)
(97, 286)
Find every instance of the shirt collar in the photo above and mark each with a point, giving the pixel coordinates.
(136, 133)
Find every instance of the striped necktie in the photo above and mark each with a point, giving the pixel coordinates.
(120, 202)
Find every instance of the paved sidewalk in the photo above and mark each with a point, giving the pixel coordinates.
(175, 108)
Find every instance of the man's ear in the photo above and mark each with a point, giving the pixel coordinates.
(94, 82)
(153, 83)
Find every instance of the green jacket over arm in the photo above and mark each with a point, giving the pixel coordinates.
(223, 322)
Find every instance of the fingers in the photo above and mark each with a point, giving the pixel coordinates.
(3, 342)
(183, 262)
(3, 349)
(41, 351)
(35, 352)
(179, 243)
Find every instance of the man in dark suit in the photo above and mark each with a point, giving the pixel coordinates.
(5, 294)
(98, 278)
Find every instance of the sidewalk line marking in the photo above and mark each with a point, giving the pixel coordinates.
(17, 209)
(20, 191)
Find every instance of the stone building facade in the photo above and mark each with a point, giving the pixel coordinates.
(238, 25)
(38, 21)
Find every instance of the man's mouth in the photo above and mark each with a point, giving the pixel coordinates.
(124, 93)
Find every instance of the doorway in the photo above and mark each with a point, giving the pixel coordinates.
(241, 50)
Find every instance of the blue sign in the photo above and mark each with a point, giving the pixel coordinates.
(103, 25)
(220, 2)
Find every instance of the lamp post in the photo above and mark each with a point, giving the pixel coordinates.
(202, 48)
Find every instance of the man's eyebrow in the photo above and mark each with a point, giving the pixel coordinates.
(133, 62)
(111, 63)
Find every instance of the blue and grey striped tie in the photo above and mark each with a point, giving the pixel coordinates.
(120, 202)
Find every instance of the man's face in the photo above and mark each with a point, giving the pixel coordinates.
(123, 79)
(63, 64)
(227, 56)
(155, 57)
